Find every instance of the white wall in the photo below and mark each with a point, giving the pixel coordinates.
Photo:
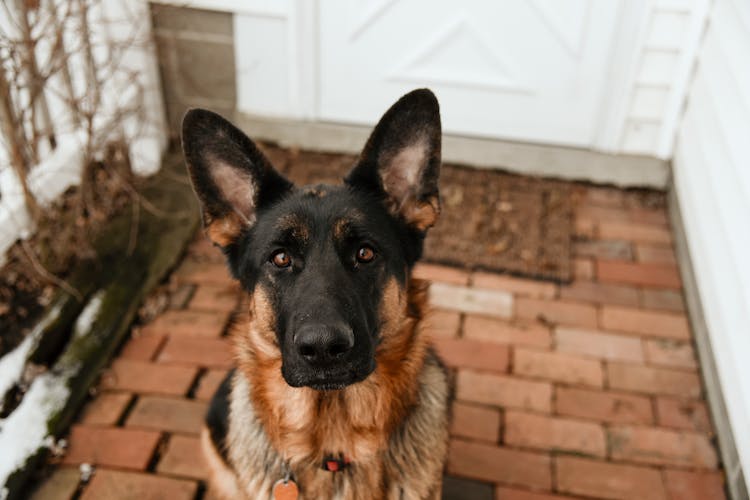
(711, 172)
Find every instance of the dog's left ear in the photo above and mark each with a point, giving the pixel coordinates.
(401, 160)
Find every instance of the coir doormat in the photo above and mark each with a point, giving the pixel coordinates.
(490, 220)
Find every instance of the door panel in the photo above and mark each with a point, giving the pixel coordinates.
(531, 70)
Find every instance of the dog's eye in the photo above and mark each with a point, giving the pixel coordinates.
(281, 259)
(365, 254)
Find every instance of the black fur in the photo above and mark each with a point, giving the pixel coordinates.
(217, 417)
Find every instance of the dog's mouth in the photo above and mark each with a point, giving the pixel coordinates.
(328, 386)
(328, 380)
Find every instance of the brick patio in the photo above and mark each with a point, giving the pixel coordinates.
(588, 390)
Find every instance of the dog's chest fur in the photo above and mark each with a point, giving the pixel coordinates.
(407, 466)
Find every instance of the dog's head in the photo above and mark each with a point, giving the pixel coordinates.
(321, 261)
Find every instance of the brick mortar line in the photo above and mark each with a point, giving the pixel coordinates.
(127, 410)
(159, 450)
(193, 388)
(461, 325)
(201, 490)
(159, 348)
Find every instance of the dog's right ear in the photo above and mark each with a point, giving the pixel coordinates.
(230, 175)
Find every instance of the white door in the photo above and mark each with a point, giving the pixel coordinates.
(531, 70)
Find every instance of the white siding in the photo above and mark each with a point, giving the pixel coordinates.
(665, 56)
(711, 171)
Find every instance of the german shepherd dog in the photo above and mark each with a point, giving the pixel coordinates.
(337, 392)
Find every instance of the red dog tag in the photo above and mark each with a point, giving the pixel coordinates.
(285, 490)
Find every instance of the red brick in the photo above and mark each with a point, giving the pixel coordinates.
(106, 408)
(651, 380)
(197, 351)
(111, 446)
(475, 422)
(500, 390)
(215, 298)
(183, 458)
(463, 353)
(650, 445)
(188, 323)
(604, 249)
(502, 493)
(440, 323)
(667, 352)
(683, 414)
(168, 414)
(688, 485)
(150, 378)
(443, 274)
(657, 254)
(598, 344)
(518, 286)
(639, 233)
(142, 347)
(612, 407)
(212, 273)
(652, 323)
(557, 311)
(582, 476)
(600, 293)
(638, 273)
(529, 430)
(557, 366)
(501, 465)
(494, 330)
(583, 269)
(665, 300)
(111, 484)
(472, 300)
(208, 384)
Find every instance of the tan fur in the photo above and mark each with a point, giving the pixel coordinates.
(296, 225)
(316, 191)
(340, 228)
(393, 425)
(421, 215)
(223, 480)
(225, 230)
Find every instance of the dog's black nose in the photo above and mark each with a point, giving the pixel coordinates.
(323, 344)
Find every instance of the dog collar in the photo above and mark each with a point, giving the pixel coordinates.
(335, 464)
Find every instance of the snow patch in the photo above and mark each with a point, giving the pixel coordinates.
(11, 366)
(24, 432)
(87, 317)
(14, 362)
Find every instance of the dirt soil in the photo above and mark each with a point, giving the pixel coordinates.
(34, 268)
(490, 220)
